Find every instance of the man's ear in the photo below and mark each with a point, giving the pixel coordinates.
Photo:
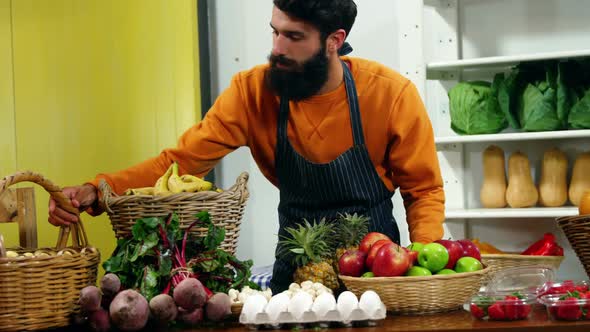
(335, 40)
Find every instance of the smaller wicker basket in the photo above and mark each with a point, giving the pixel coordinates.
(577, 231)
(42, 291)
(420, 295)
(226, 209)
(497, 262)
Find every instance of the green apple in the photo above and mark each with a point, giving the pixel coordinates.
(416, 246)
(418, 271)
(434, 256)
(446, 271)
(368, 275)
(468, 264)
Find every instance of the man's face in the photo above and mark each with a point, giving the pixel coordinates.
(298, 61)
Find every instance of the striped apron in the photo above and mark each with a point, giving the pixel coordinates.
(310, 190)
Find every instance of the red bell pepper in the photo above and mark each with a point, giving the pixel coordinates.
(544, 247)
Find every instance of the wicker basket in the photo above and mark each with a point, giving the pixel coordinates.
(420, 295)
(226, 209)
(577, 231)
(497, 262)
(42, 291)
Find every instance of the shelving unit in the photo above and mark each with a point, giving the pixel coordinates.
(445, 41)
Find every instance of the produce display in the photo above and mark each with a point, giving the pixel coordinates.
(521, 192)
(534, 96)
(378, 256)
(567, 300)
(173, 183)
(165, 275)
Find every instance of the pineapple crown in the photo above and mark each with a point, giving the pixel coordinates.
(350, 229)
(308, 242)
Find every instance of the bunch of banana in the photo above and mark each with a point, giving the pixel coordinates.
(172, 183)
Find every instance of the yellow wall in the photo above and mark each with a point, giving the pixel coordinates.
(98, 86)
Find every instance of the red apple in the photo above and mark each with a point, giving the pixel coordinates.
(370, 239)
(391, 261)
(373, 252)
(352, 263)
(455, 252)
(470, 249)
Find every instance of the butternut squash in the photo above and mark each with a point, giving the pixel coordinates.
(580, 181)
(521, 191)
(493, 188)
(553, 184)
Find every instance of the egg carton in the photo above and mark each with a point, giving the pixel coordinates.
(257, 317)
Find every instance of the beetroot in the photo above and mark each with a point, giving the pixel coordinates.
(190, 294)
(110, 284)
(90, 298)
(218, 307)
(129, 310)
(99, 320)
(163, 308)
(193, 317)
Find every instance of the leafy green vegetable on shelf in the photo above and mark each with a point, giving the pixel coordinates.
(475, 109)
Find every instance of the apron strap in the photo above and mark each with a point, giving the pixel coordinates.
(353, 106)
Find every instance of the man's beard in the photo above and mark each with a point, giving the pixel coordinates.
(297, 81)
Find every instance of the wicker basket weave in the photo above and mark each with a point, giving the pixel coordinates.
(226, 209)
(497, 262)
(577, 231)
(420, 295)
(42, 291)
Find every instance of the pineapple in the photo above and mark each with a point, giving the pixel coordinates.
(309, 248)
(350, 230)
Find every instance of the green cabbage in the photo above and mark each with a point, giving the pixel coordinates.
(475, 110)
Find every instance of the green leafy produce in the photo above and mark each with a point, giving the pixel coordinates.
(475, 109)
(160, 255)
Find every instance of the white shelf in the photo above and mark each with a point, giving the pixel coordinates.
(512, 213)
(502, 61)
(522, 136)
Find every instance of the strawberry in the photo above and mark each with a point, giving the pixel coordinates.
(476, 311)
(496, 312)
(524, 311)
(510, 307)
(569, 309)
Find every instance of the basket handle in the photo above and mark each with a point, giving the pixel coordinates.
(241, 187)
(105, 194)
(79, 238)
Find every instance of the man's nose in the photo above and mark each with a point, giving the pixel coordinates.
(279, 45)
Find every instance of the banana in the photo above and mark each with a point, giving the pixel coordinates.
(140, 191)
(204, 185)
(161, 186)
(186, 183)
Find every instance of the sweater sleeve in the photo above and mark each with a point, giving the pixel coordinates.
(222, 130)
(414, 166)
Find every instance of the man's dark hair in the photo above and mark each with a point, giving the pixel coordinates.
(326, 15)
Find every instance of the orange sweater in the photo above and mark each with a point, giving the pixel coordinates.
(397, 130)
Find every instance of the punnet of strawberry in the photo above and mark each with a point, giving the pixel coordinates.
(507, 307)
(570, 306)
(564, 287)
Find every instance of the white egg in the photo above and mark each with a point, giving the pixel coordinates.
(254, 304)
(294, 286)
(317, 286)
(300, 303)
(311, 292)
(323, 303)
(347, 302)
(267, 293)
(306, 284)
(277, 304)
(370, 302)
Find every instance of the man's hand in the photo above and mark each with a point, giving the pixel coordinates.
(82, 197)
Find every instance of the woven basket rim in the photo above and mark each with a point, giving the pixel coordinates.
(401, 279)
(523, 257)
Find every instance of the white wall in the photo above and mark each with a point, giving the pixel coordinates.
(247, 43)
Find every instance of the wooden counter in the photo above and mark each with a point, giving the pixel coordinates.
(448, 322)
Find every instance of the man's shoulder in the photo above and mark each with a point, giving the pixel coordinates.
(375, 70)
(254, 74)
